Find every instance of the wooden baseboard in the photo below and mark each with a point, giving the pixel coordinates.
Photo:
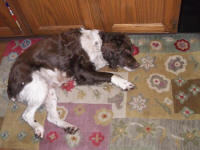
(139, 28)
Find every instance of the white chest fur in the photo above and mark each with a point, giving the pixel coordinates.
(42, 80)
(91, 43)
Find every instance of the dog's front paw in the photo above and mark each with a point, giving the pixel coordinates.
(71, 130)
(127, 85)
(122, 83)
(39, 131)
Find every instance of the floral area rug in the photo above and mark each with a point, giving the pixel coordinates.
(93, 122)
(161, 113)
(154, 134)
(166, 83)
(90, 111)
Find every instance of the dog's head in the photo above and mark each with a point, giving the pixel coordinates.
(118, 51)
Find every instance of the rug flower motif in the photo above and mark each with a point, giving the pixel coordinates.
(179, 81)
(147, 62)
(62, 111)
(158, 82)
(68, 86)
(156, 45)
(176, 64)
(182, 45)
(79, 109)
(194, 89)
(137, 103)
(187, 112)
(96, 138)
(52, 136)
(182, 97)
(73, 140)
(103, 117)
(161, 113)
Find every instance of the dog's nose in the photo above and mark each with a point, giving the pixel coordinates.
(136, 65)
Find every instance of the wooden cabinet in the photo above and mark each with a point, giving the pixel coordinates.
(137, 16)
(140, 15)
(8, 26)
(50, 16)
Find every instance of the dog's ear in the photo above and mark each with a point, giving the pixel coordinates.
(102, 34)
(112, 60)
(110, 53)
(70, 35)
(113, 37)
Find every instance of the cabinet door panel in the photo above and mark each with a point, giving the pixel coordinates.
(8, 26)
(140, 15)
(52, 16)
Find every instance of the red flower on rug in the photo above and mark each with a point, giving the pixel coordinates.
(52, 136)
(136, 50)
(96, 138)
(182, 45)
(68, 86)
(156, 45)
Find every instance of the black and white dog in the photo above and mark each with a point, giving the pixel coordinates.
(77, 54)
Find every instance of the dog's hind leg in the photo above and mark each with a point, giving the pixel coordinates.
(34, 94)
(28, 116)
(52, 114)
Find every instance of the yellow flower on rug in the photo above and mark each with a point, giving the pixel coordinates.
(79, 109)
(103, 117)
(81, 94)
(62, 111)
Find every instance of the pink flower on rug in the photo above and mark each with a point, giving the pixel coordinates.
(96, 138)
(136, 50)
(156, 45)
(182, 45)
(68, 86)
(52, 136)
